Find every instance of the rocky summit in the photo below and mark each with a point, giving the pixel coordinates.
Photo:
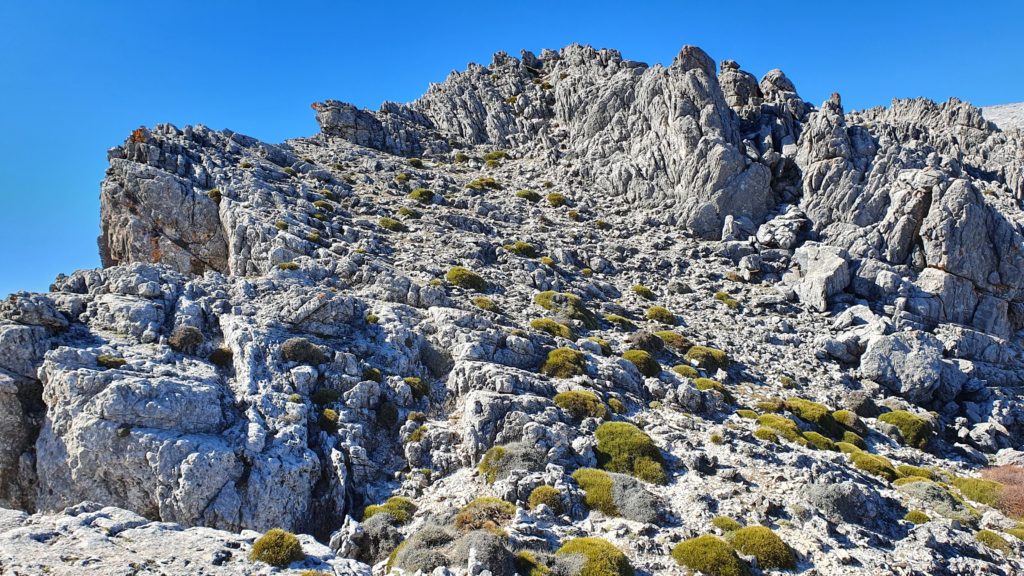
(564, 314)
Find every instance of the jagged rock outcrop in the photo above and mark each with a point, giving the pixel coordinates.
(283, 334)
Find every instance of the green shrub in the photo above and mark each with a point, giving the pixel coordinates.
(289, 171)
(484, 512)
(674, 340)
(979, 490)
(726, 299)
(110, 361)
(324, 205)
(401, 509)
(783, 427)
(527, 565)
(707, 358)
(485, 303)
(818, 441)
(418, 386)
(874, 464)
(1017, 531)
(281, 225)
(461, 157)
(662, 315)
(772, 405)
(528, 195)
(850, 420)
(499, 461)
(847, 448)
(547, 261)
(409, 213)
(916, 431)
(402, 177)
(329, 420)
(852, 438)
(370, 373)
(485, 182)
(643, 361)
(606, 348)
(766, 434)
(552, 327)
(520, 248)
(765, 545)
(581, 404)
(622, 447)
(710, 555)
(391, 224)
(277, 548)
(597, 487)
(746, 414)
(496, 155)
(302, 351)
(620, 321)
(643, 291)
(814, 413)
(556, 199)
(918, 471)
(725, 524)
(215, 195)
(564, 363)
(686, 371)
(546, 495)
(422, 195)
(415, 162)
(601, 557)
(917, 517)
(993, 540)
(465, 278)
(709, 384)
(568, 305)
(617, 406)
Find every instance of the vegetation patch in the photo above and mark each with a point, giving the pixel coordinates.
(485, 303)
(564, 363)
(520, 248)
(556, 199)
(302, 351)
(819, 441)
(686, 371)
(422, 195)
(709, 384)
(916, 431)
(661, 315)
(597, 488)
(499, 461)
(602, 558)
(485, 512)
(814, 413)
(979, 490)
(917, 517)
(874, 464)
(485, 182)
(391, 224)
(707, 358)
(783, 426)
(110, 361)
(710, 555)
(726, 299)
(568, 305)
(765, 545)
(620, 321)
(643, 361)
(643, 292)
(528, 195)
(674, 340)
(401, 509)
(418, 386)
(547, 496)
(581, 404)
(466, 278)
(622, 447)
(725, 524)
(552, 327)
(277, 548)
(993, 540)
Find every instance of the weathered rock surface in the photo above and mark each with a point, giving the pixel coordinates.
(281, 334)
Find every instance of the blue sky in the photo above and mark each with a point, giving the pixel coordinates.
(77, 77)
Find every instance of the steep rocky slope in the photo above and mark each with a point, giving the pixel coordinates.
(811, 318)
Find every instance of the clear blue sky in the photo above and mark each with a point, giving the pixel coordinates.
(77, 77)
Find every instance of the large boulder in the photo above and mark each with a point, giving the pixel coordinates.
(822, 272)
(911, 364)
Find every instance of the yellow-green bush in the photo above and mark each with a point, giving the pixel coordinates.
(710, 555)
(908, 470)
(979, 490)
(725, 523)
(685, 370)
(674, 340)
(597, 488)
(661, 315)
(110, 361)
(528, 195)
(552, 327)
(766, 434)
(557, 199)
(401, 509)
(581, 404)
(643, 291)
(620, 321)
(520, 248)
(485, 182)
(819, 441)
(814, 413)
(852, 438)
(916, 431)
(564, 363)
(616, 406)
(526, 564)
(643, 361)
(485, 303)
(484, 512)
(874, 464)
(917, 517)
(993, 540)
(277, 548)
(622, 447)
(847, 448)
(765, 545)
(707, 358)
(746, 414)
(465, 278)
(602, 558)
(710, 384)
(568, 305)
(546, 495)
(726, 299)
(422, 195)
(418, 386)
(783, 427)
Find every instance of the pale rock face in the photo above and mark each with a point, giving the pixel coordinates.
(867, 260)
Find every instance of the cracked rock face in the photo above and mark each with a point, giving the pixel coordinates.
(284, 334)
